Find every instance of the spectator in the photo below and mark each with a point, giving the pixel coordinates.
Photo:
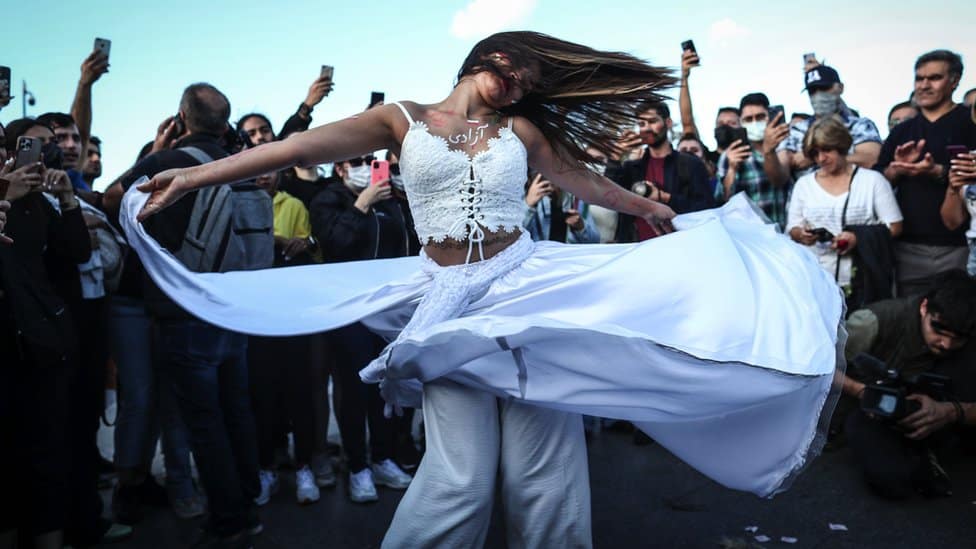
(969, 98)
(305, 183)
(663, 174)
(959, 203)
(693, 145)
(900, 113)
(912, 336)
(357, 220)
(292, 382)
(258, 128)
(207, 365)
(825, 89)
(846, 214)
(915, 160)
(552, 211)
(754, 167)
(93, 164)
(41, 357)
(605, 219)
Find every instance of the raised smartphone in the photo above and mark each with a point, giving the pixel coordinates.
(103, 46)
(379, 170)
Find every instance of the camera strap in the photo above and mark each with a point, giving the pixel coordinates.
(843, 219)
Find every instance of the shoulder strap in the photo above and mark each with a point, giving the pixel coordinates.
(197, 154)
(843, 217)
(405, 112)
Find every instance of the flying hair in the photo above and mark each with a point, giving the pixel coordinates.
(577, 96)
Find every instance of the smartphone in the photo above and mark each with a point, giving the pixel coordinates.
(955, 150)
(809, 58)
(688, 45)
(180, 126)
(103, 46)
(823, 235)
(376, 97)
(379, 170)
(4, 82)
(777, 109)
(28, 151)
(726, 135)
(327, 71)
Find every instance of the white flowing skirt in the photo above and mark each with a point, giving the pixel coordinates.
(721, 341)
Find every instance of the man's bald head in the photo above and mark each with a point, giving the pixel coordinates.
(205, 109)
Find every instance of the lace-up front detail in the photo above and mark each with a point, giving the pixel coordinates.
(453, 195)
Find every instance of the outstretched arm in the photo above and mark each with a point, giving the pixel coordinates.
(574, 177)
(379, 128)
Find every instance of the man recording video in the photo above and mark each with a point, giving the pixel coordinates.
(898, 429)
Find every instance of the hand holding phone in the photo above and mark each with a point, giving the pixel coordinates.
(327, 71)
(103, 47)
(28, 151)
(955, 150)
(376, 98)
(379, 171)
(777, 110)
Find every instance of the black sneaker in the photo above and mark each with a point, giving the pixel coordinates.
(932, 480)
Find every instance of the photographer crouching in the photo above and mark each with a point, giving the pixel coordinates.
(914, 381)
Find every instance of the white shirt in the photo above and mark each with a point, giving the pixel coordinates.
(872, 202)
(970, 190)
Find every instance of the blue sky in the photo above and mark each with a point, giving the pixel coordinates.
(264, 55)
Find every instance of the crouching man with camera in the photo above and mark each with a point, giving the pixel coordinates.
(914, 378)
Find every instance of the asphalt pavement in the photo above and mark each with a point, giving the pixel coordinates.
(643, 497)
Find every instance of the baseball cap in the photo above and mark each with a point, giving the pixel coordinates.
(820, 78)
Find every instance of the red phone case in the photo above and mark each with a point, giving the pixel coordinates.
(379, 170)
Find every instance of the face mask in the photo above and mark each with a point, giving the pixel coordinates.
(358, 177)
(396, 181)
(755, 131)
(597, 168)
(825, 104)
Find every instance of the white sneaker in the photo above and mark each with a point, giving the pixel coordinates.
(269, 486)
(361, 487)
(386, 473)
(306, 491)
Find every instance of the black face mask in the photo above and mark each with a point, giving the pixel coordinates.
(52, 157)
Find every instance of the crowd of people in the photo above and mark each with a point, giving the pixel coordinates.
(78, 313)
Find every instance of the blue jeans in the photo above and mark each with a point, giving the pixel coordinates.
(206, 367)
(146, 405)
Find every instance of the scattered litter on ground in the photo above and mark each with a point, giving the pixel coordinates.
(837, 527)
(762, 539)
(787, 539)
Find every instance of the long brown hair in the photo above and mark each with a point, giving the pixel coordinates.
(578, 97)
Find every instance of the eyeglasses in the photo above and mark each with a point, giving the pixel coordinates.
(356, 162)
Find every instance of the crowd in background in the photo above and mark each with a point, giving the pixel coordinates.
(892, 221)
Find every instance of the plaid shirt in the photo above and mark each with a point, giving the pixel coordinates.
(862, 130)
(751, 179)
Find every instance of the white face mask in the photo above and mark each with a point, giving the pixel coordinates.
(755, 131)
(598, 168)
(396, 181)
(358, 177)
(825, 104)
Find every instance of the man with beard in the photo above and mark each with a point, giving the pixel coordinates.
(663, 174)
(93, 168)
(913, 335)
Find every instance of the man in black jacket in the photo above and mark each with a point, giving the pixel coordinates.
(206, 365)
(663, 174)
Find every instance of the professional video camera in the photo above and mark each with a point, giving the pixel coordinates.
(884, 396)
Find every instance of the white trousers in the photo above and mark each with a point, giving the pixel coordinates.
(475, 439)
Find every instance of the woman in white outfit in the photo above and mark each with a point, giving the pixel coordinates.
(508, 340)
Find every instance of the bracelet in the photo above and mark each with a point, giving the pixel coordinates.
(304, 110)
(960, 414)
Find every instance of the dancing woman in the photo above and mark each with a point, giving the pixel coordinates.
(734, 383)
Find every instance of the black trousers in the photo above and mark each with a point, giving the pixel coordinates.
(33, 428)
(357, 403)
(282, 383)
(889, 461)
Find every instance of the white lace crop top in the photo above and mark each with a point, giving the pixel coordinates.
(453, 195)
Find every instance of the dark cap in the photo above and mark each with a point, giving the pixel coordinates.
(820, 78)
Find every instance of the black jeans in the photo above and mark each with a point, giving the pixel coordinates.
(207, 367)
(282, 380)
(354, 346)
(33, 426)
